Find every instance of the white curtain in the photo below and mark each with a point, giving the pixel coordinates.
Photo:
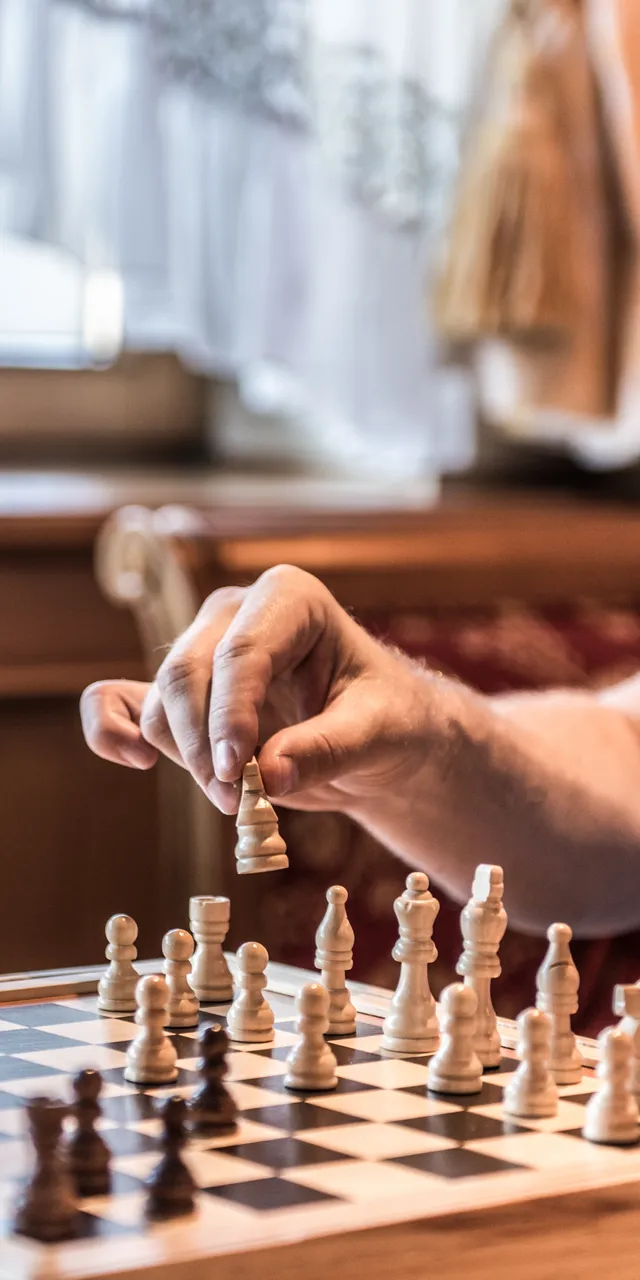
(267, 177)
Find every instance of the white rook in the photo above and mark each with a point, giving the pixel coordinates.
(210, 977)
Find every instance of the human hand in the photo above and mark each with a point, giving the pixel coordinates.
(279, 668)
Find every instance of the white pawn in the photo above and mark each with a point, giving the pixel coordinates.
(312, 1063)
(411, 1025)
(250, 1018)
(611, 1114)
(117, 988)
(334, 957)
(151, 1057)
(532, 1090)
(260, 846)
(483, 922)
(626, 1004)
(456, 1067)
(557, 984)
(210, 976)
(177, 949)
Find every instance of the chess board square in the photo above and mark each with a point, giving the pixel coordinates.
(252, 1066)
(15, 1160)
(384, 1104)
(390, 1073)
(488, 1094)
(296, 1117)
(19, 1069)
(7, 1102)
(344, 1054)
(186, 1046)
(569, 1115)
(457, 1162)
(247, 1096)
(91, 1226)
(464, 1125)
(507, 1067)
(375, 1141)
(579, 1099)
(368, 1181)
(23, 1039)
(130, 1108)
(246, 1131)
(276, 1084)
(270, 1193)
(130, 1142)
(42, 1015)
(7, 1026)
(74, 1058)
(281, 1153)
(49, 1082)
(97, 1031)
(538, 1150)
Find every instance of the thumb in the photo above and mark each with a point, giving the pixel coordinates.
(323, 749)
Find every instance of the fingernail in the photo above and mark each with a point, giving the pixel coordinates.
(287, 775)
(225, 760)
(134, 761)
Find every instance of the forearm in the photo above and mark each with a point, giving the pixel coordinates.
(547, 785)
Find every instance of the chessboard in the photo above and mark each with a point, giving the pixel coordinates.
(378, 1151)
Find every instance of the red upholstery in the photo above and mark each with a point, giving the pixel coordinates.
(494, 651)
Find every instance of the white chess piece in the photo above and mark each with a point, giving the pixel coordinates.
(334, 957)
(483, 922)
(557, 984)
(151, 1057)
(250, 1018)
(611, 1114)
(177, 949)
(117, 988)
(210, 977)
(532, 1090)
(411, 1025)
(626, 1004)
(456, 1067)
(311, 1063)
(260, 846)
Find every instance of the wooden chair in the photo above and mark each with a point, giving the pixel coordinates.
(510, 573)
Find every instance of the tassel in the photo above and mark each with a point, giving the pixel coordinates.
(509, 268)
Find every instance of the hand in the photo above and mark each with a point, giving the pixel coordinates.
(278, 666)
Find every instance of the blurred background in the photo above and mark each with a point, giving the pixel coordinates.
(337, 282)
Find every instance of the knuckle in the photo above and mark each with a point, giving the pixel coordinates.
(176, 673)
(287, 575)
(154, 725)
(221, 600)
(242, 646)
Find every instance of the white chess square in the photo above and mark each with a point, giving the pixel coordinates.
(392, 1073)
(281, 1039)
(94, 1032)
(16, 1160)
(549, 1150)
(367, 1182)
(385, 1105)
(250, 1066)
(247, 1096)
(374, 1141)
(570, 1115)
(75, 1058)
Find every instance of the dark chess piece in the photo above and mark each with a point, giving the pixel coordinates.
(211, 1107)
(46, 1207)
(171, 1186)
(87, 1152)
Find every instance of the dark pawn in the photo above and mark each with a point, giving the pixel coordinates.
(46, 1208)
(211, 1107)
(88, 1153)
(171, 1187)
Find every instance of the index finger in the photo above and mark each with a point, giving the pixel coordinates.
(279, 622)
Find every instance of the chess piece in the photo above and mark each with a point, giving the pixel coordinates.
(334, 957)
(210, 977)
(611, 1114)
(483, 922)
(626, 1004)
(88, 1155)
(311, 1063)
(151, 1057)
(46, 1207)
(411, 1025)
(250, 1018)
(557, 984)
(177, 949)
(456, 1067)
(171, 1185)
(532, 1090)
(211, 1107)
(260, 846)
(117, 988)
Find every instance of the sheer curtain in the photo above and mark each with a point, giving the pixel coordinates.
(267, 178)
